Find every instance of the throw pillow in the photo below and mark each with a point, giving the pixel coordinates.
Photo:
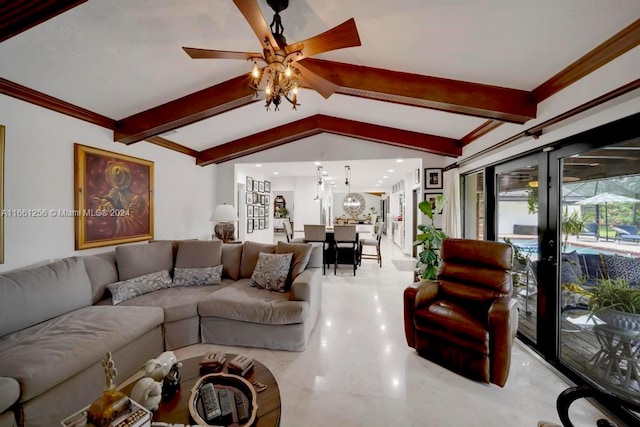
(271, 271)
(197, 276)
(301, 254)
(127, 289)
(231, 258)
(570, 271)
(199, 254)
(137, 260)
(622, 267)
(250, 256)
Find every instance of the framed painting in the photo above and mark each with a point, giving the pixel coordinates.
(267, 187)
(260, 186)
(249, 184)
(432, 179)
(249, 198)
(255, 197)
(261, 211)
(113, 198)
(255, 185)
(416, 176)
(249, 226)
(261, 223)
(249, 211)
(431, 197)
(1, 194)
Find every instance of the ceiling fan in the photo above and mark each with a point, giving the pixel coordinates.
(282, 74)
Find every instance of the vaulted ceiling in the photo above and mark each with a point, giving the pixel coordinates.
(431, 75)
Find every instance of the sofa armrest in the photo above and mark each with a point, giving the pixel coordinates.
(503, 325)
(9, 393)
(307, 286)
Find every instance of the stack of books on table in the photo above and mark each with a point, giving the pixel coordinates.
(214, 360)
(136, 416)
(240, 365)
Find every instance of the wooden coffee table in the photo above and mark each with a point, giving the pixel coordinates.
(176, 410)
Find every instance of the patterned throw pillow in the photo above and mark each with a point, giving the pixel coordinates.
(623, 267)
(271, 271)
(127, 289)
(197, 276)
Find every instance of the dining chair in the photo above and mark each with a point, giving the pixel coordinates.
(289, 233)
(345, 241)
(372, 242)
(317, 234)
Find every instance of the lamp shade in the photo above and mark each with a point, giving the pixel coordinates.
(224, 213)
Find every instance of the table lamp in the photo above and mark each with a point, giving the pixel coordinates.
(225, 215)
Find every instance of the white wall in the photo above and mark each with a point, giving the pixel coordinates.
(307, 210)
(512, 213)
(39, 170)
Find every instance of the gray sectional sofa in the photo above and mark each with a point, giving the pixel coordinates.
(58, 320)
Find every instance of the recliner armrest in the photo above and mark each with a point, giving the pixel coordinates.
(427, 291)
(502, 325)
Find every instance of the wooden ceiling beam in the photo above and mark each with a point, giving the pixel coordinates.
(26, 94)
(320, 123)
(455, 96)
(184, 111)
(19, 16)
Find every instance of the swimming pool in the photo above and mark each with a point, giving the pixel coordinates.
(530, 247)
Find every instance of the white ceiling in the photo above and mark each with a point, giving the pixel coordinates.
(120, 57)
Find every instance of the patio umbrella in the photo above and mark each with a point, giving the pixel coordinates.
(604, 199)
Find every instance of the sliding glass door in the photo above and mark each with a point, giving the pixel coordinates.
(572, 212)
(600, 261)
(516, 222)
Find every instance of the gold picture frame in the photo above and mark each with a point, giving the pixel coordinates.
(113, 198)
(2, 194)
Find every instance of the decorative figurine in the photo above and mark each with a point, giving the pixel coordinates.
(147, 393)
(159, 367)
(112, 403)
(171, 382)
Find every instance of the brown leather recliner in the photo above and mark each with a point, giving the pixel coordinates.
(466, 320)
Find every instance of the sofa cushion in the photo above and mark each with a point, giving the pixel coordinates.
(301, 254)
(197, 276)
(127, 289)
(37, 294)
(231, 258)
(271, 271)
(623, 267)
(250, 256)
(240, 301)
(316, 258)
(199, 253)
(178, 303)
(102, 270)
(138, 260)
(9, 392)
(46, 354)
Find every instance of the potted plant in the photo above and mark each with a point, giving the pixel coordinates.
(430, 239)
(284, 212)
(572, 224)
(519, 262)
(616, 303)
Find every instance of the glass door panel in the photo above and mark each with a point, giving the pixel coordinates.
(516, 222)
(600, 216)
(474, 206)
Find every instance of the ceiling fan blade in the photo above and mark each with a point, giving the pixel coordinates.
(321, 85)
(339, 37)
(197, 53)
(253, 15)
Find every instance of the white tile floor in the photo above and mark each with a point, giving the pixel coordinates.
(358, 370)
